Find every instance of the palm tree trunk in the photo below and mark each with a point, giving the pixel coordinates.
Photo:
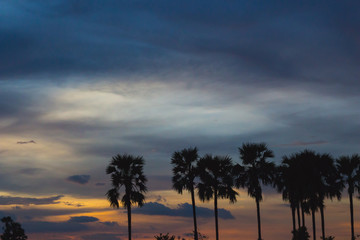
(352, 216)
(258, 217)
(216, 216)
(298, 214)
(194, 213)
(322, 221)
(129, 220)
(293, 220)
(313, 223)
(303, 214)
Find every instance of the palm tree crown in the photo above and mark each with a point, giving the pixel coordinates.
(184, 169)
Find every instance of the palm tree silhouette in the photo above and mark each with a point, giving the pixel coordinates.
(329, 186)
(127, 170)
(185, 172)
(257, 171)
(216, 181)
(287, 182)
(348, 168)
(291, 180)
(311, 180)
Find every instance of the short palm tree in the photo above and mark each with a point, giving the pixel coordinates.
(348, 168)
(127, 171)
(185, 172)
(258, 171)
(216, 181)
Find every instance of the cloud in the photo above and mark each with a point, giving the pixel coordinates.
(110, 224)
(102, 236)
(81, 179)
(26, 142)
(74, 224)
(83, 219)
(7, 200)
(245, 42)
(99, 184)
(183, 210)
(73, 204)
(43, 227)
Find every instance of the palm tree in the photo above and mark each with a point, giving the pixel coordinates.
(311, 181)
(185, 172)
(348, 168)
(257, 171)
(329, 186)
(127, 171)
(287, 184)
(216, 181)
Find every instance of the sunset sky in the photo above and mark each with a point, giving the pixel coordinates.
(84, 80)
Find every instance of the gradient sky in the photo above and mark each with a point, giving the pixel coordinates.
(84, 80)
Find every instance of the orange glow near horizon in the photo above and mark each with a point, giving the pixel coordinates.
(275, 217)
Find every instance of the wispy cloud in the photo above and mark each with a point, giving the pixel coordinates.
(71, 204)
(8, 200)
(26, 142)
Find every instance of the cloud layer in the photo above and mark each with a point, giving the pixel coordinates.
(183, 210)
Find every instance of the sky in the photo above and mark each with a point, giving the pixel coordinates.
(84, 80)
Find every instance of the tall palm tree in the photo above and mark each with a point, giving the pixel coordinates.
(216, 181)
(257, 171)
(329, 185)
(185, 172)
(127, 171)
(319, 180)
(291, 176)
(348, 168)
(311, 181)
(286, 183)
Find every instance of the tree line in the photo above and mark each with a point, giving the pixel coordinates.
(305, 179)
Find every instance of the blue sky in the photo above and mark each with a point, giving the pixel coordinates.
(81, 81)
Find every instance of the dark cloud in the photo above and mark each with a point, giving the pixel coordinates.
(81, 179)
(275, 42)
(7, 200)
(83, 219)
(100, 184)
(183, 210)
